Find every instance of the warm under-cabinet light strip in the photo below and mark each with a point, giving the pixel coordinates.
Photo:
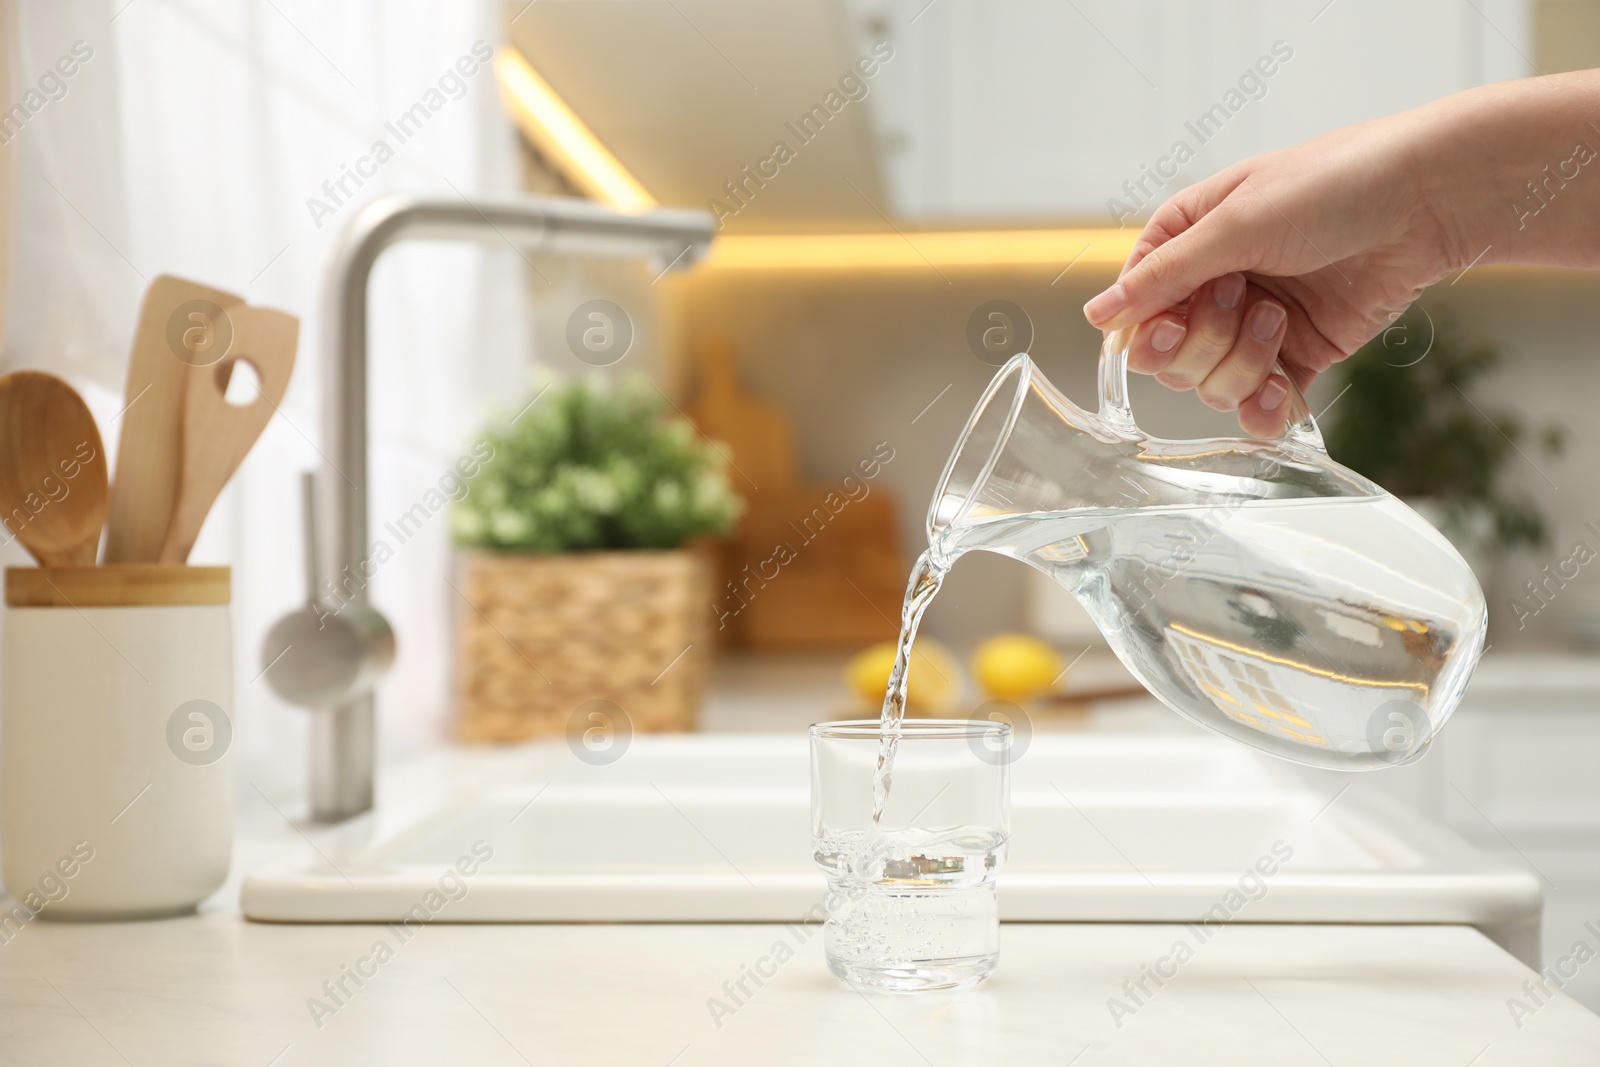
(556, 130)
(546, 120)
(921, 250)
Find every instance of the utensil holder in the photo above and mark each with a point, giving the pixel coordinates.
(115, 781)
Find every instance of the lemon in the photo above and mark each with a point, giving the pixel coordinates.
(1015, 666)
(935, 676)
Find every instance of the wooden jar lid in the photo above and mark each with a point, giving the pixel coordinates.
(117, 585)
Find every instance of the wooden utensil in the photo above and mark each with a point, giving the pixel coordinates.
(844, 584)
(216, 435)
(757, 433)
(182, 324)
(52, 469)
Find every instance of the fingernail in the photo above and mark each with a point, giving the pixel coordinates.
(1265, 318)
(1228, 290)
(1166, 335)
(1106, 304)
(1272, 394)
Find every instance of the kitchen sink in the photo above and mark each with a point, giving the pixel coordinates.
(698, 828)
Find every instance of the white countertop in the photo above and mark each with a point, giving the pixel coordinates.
(216, 990)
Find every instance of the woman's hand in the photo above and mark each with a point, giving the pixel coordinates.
(1300, 255)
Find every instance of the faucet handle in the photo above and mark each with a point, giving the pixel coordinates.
(320, 656)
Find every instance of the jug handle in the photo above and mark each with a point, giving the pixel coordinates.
(1300, 429)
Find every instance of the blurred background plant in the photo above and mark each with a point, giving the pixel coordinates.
(593, 466)
(1407, 419)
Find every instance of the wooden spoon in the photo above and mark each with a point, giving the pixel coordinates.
(52, 470)
(216, 434)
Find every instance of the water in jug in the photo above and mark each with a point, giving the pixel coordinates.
(1256, 587)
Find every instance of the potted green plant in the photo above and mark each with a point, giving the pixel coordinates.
(1405, 416)
(577, 567)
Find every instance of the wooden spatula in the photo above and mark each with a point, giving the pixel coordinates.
(52, 469)
(216, 435)
(182, 324)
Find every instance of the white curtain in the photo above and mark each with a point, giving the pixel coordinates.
(210, 140)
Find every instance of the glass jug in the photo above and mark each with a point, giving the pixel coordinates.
(1256, 587)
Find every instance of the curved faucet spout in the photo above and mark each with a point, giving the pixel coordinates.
(342, 756)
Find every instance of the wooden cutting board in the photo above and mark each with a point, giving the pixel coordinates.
(843, 575)
(842, 581)
(755, 433)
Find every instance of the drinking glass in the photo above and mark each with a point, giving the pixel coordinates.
(911, 902)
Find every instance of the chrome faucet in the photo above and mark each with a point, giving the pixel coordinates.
(328, 658)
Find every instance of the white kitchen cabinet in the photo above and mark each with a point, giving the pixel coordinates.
(1037, 108)
(1514, 772)
(1518, 758)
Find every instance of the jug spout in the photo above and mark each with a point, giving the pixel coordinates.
(1027, 449)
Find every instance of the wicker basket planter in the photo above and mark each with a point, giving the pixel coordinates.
(544, 634)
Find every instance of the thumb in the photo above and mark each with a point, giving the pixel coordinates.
(1171, 272)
